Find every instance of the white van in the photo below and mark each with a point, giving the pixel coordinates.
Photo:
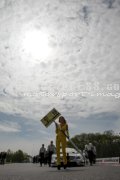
(74, 158)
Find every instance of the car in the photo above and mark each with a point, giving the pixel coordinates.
(74, 158)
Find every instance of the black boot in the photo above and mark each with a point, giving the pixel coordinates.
(65, 166)
(58, 167)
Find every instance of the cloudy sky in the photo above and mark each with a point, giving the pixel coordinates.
(62, 54)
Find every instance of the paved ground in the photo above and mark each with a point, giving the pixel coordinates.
(35, 172)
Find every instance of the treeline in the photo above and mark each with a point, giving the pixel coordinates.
(107, 144)
(17, 157)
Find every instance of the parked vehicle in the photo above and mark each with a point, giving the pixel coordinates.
(74, 158)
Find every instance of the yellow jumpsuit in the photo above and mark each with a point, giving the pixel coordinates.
(61, 142)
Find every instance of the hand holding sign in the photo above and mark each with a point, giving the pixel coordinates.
(50, 117)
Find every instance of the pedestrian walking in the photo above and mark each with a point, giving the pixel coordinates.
(51, 150)
(42, 153)
(90, 153)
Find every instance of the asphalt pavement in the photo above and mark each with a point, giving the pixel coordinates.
(35, 172)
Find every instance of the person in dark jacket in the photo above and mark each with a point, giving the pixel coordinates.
(51, 150)
(90, 153)
(42, 153)
(3, 157)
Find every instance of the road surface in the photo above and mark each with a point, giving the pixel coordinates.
(35, 172)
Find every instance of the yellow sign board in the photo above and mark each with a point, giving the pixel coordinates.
(50, 117)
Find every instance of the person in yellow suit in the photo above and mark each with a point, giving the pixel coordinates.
(61, 132)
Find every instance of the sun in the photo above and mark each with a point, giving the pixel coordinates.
(36, 44)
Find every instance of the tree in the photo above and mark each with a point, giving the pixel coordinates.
(9, 157)
(17, 157)
(107, 143)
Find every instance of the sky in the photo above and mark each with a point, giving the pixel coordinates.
(61, 54)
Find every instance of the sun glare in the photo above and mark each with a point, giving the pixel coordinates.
(36, 44)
